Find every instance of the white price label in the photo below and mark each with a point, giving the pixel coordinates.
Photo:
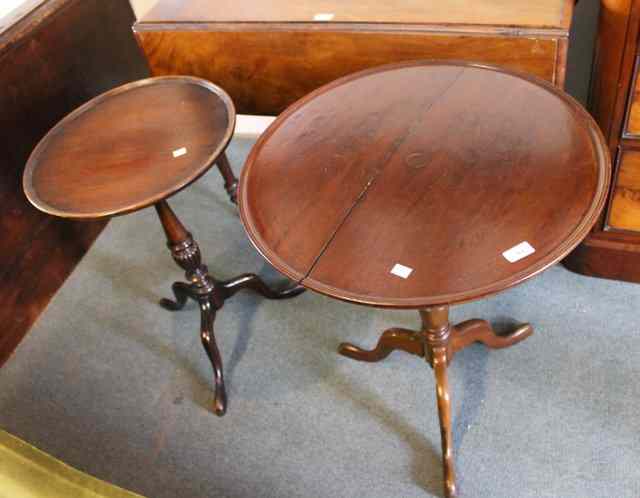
(517, 252)
(179, 152)
(401, 270)
(323, 17)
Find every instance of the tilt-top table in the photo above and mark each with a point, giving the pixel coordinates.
(134, 147)
(422, 185)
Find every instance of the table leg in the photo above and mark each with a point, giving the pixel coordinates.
(230, 180)
(436, 331)
(208, 292)
(390, 340)
(476, 330)
(437, 342)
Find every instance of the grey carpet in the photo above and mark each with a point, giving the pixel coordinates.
(116, 386)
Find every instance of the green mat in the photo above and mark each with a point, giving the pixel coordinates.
(27, 472)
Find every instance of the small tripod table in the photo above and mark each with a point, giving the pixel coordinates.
(421, 185)
(134, 147)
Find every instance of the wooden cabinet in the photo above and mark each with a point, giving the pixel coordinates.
(612, 250)
(624, 209)
(54, 56)
(266, 55)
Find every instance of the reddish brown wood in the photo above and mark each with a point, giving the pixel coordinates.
(139, 144)
(608, 61)
(425, 161)
(471, 331)
(437, 342)
(440, 167)
(123, 151)
(230, 180)
(436, 331)
(612, 255)
(390, 340)
(286, 53)
(612, 250)
(56, 57)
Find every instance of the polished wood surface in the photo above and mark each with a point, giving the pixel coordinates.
(286, 53)
(209, 293)
(542, 13)
(609, 65)
(611, 254)
(423, 164)
(53, 59)
(137, 145)
(438, 167)
(624, 212)
(437, 342)
(123, 151)
(612, 249)
(297, 61)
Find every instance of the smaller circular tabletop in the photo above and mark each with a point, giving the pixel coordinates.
(424, 183)
(130, 147)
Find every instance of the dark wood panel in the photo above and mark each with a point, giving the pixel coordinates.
(606, 255)
(57, 57)
(608, 63)
(27, 285)
(278, 67)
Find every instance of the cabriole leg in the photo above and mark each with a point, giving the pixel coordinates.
(436, 331)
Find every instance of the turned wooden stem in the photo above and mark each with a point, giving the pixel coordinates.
(184, 250)
(173, 227)
(230, 180)
(208, 292)
(436, 331)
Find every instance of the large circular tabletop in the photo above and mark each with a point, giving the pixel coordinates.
(424, 183)
(130, 147)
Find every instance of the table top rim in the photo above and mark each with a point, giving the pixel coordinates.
(32, 162)
(553, 256)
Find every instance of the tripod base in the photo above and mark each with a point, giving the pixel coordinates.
(208, 292)
(437, 342)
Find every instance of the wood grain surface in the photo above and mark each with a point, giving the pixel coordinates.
(280, 66)
(438, 167)
(130, 147)
(624, 212)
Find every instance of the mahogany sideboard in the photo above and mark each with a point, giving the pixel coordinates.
(612, 249)
(267, 55)
(54, 56)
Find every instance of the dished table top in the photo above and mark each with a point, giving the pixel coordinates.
(130, 147)
(440, 168)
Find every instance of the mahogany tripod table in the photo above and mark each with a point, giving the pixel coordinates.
(422, 185)
(134, 147)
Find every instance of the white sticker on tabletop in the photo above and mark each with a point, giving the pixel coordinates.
(179, 152)
(323, 17)
(401, 270)
(519, 251)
